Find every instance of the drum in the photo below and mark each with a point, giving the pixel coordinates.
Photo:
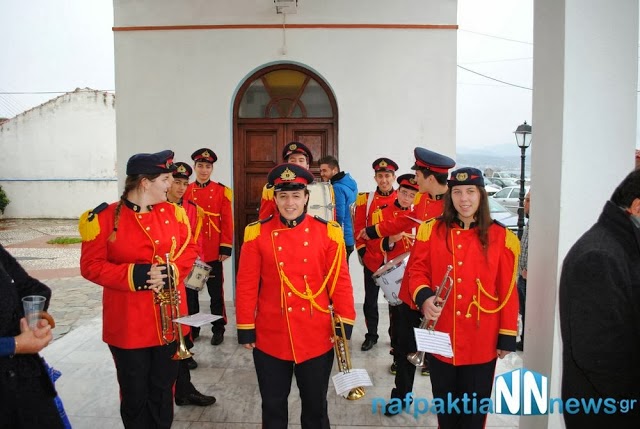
(389, 277)
(198, 276)
(321, 201)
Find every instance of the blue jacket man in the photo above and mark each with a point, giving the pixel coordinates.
(345, 191)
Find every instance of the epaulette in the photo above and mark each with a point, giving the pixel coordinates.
(362, 198)
(228, 193)
(88, 225)
(334, 230)
(424, 231)
(181, 214)
(267, 192)
(316, 217)
(417, 198)
(252, 231)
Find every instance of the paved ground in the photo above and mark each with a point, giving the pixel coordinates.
(76, 299)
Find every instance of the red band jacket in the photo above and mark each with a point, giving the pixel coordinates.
(368, 212)
(286, 279)
(131, 316)
(217, 226)
(481, 314)
(424, 208)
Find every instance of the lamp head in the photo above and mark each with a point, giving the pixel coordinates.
(523, 135)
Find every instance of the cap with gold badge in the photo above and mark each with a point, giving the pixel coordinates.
(289, 177)
(183, 171)
(204, 155)
(384, 164)
(296, 147)
(466, 176)
(408, 181)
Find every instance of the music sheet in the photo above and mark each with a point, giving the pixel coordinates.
(198, 319)
(345, 381)
(435, 342)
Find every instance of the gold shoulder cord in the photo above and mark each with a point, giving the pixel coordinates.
(511, 243)
(309, 295)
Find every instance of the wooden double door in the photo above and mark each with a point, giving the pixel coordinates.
(258, 146)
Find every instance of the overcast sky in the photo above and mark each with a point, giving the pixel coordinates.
(65, 44)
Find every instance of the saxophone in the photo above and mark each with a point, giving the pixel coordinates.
(341, 348)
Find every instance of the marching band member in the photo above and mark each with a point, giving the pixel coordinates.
(431, 177)
(368, 208)
(216, 233)
(185, 392)
(293, 153)
(124, 249)
(481, 314)
(398, 244)
(292, 266)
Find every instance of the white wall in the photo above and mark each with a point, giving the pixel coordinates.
(395, 88)
(65, 156)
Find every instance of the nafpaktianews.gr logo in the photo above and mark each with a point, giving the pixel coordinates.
(518, 392)
(526, 393)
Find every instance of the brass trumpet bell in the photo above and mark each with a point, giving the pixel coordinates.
(356, 393)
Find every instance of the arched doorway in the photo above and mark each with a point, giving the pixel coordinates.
(277, 105)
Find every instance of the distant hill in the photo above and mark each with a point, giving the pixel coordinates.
(502, 157)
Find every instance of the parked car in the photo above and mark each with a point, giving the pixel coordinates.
(504, 182)
(502, 215)
(491, 188)
(509, 197)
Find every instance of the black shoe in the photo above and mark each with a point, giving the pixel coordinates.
(520, 346)
(195, 333)
(217, 339)
(390, 413)
(368, 344)
(195, 398)
(191, 363)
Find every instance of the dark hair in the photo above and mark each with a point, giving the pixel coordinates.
(131, 182)
(330, 161)
(627, 191)
(441, 178)
(483, 217)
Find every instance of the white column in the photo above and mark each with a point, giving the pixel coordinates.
(584, 132)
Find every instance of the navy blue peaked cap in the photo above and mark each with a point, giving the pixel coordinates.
(431, 160)
(151, 163)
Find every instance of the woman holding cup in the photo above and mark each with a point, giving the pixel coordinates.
(26, 391)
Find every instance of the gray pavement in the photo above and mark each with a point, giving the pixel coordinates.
(88, 386)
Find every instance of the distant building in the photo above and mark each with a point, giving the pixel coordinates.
(60, 157)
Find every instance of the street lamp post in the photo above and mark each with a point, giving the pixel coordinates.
(523, 139)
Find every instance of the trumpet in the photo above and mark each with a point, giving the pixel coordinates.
(341, 347)
(169, 301)
(441, 296)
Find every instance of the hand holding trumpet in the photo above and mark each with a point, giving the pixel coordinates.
(157, 277)
(432, 307)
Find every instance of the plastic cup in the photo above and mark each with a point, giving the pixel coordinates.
(33, 306)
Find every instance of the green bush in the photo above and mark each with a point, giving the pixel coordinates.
(4, 200)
